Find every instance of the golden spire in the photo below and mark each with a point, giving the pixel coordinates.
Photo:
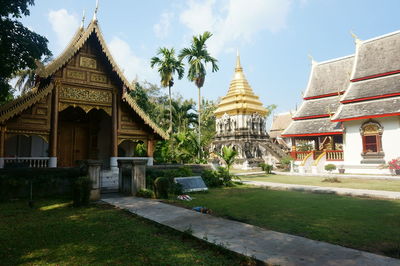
(240, 98)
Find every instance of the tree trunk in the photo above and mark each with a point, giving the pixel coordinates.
(199, 112)
(170, 111)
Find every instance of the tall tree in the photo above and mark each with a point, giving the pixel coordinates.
(26, 77)
(19, 47)
(197, 56)
(168, 65)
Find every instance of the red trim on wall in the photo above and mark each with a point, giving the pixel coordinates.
(310, 117)
(376, 75)
(312, 134)
(371, 97)
(364, 117)
(324, 95)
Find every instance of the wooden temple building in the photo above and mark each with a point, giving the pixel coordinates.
(241, 125)
(79, 109)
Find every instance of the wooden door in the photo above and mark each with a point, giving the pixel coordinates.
(72, 143)
(81, 142)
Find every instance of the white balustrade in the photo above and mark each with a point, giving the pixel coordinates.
(32, 162)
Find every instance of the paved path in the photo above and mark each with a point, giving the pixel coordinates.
(271, 247)
(329, 190)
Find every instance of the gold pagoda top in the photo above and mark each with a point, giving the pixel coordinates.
(240, 98)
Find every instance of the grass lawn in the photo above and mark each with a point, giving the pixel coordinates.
(375, 184)
(366, 224)
(55, 233)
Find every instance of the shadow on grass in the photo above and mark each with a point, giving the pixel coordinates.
(56, 233)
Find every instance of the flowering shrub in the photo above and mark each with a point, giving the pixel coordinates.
(395, 164)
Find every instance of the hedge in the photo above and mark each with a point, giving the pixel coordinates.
(15, 182)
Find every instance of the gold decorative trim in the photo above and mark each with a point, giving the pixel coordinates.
(85, 107)
(88, 62)
(28, 133)
(99, 78)
(120, 140)
(87, 95)
(75, 74)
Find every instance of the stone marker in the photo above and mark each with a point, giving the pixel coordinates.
(191, 183)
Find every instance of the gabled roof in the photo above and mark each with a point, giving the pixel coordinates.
(312, 127)
(375, 84)
(329, 77)
(317, 107)
(373, 88)
(377, 56)
(79, 39)
(23, 102)
(368, 109)
(279, 123)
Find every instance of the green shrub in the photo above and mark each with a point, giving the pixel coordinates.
(14, 182)
(266, 167)
(211, 178)
(152, 174)
(161, 187)
(145, 193)
(285, 162)
(330, 167)
(81, 191)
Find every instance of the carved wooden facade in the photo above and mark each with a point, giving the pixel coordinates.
(86, 77)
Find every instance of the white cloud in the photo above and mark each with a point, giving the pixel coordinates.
(64, 25)
(236, 20)
(132, 65)
(161, 29)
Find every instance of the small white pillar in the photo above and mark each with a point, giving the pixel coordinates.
(52, 162)
(302, 169)
(1, 163)
(114, 164)
(314, 169)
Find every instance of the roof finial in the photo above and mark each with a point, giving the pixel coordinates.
(238, 66)
(313, 62)
(83, 20)
(95, 11)
(357, 40)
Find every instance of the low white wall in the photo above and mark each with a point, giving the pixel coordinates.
(353, 147)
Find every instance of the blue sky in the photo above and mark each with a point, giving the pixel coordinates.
(274, 36)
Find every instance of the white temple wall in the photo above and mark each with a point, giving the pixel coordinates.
(353, 145)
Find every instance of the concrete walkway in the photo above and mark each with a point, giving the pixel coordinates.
(381, 194)
(271, 247)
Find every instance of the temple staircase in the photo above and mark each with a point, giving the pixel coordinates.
(275, 150)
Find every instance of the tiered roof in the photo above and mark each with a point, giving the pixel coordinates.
(328, 80)
(374, 90)
(79, 39)
(240, 98)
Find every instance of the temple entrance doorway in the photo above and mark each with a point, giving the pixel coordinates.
(83, 136)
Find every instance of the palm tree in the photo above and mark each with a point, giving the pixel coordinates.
(228, 155)
(168, 65)
(26, 77)
(197, 57)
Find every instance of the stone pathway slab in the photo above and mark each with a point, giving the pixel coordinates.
(271, 247)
